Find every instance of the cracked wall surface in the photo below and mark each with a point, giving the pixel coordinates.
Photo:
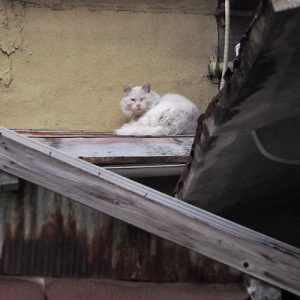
(11, 24)
(63, 63)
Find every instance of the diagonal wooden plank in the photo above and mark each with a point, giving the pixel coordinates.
(170, 218)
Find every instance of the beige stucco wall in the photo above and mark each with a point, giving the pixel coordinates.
(63, 63)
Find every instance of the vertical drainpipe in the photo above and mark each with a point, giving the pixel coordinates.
(226, 41)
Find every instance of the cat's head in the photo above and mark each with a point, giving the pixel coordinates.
(137, 100)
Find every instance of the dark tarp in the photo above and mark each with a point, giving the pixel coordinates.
(245, 161)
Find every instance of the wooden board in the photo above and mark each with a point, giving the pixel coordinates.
(130, 150)
(108, 149)
(205, 233)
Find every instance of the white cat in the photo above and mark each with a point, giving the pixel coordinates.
(154, 115)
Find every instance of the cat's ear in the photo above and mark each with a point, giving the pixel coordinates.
(126, 89)
(146, 87)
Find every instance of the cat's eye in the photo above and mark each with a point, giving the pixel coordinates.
(142, 98)
(132, 99)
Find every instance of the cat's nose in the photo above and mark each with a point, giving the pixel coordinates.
(138, 105)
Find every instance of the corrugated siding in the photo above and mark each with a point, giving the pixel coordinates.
(45, 234)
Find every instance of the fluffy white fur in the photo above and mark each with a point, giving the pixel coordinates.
(151, 114)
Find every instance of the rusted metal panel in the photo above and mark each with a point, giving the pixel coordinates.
(45, 234)
(8, 183)
(107, 149)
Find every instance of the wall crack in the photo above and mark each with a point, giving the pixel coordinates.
(11, 27)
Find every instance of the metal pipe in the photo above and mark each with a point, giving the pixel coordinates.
(226, 41)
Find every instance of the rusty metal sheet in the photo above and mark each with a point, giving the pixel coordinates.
(107, 149)
(8, 183)
(45, 234)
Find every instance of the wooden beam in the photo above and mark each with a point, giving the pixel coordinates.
(170, 218)
(116, 150)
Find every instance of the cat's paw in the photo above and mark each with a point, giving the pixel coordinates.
(122, 131)
(118, 131)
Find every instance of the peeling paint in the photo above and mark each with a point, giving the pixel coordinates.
(6, 76)
(11, 27)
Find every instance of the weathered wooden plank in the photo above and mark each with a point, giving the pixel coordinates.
(142, 156)
(112, 150)
(44, 133)
(109, 149)
(8, 183)
(170, 218)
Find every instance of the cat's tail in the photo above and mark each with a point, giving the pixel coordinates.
(140, 130)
